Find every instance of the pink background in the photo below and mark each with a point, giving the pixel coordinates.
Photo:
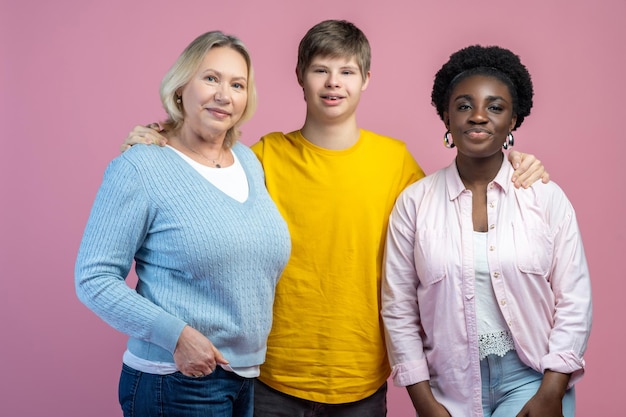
(77, 75)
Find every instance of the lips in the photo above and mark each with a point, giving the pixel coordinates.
(478, 133)
(218, 112)
(332, 97)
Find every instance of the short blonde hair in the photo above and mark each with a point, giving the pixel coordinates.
(186, 66)
(335, 39)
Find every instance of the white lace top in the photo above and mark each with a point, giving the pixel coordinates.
(494, 337)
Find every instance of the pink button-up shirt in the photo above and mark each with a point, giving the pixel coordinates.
(538, 272)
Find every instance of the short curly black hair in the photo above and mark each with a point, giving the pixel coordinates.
(485, 60)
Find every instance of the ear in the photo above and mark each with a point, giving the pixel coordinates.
(366, 81)
(300, 80)
(513, 121)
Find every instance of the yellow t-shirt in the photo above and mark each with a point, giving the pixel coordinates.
(327, 343)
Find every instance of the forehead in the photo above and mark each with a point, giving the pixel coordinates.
(225, 60)
(479, 84)
(335, 60)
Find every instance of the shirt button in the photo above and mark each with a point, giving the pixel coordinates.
(502, 302)
(492, 226)
(492, 204)
(496, 274)
(492, 248)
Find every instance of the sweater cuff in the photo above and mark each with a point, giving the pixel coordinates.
(166, 330)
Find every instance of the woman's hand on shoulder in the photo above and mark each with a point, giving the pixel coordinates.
(149, 134)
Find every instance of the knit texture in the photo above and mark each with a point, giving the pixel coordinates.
(202, 258)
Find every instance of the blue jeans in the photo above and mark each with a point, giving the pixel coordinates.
(271, 403)
(220, 394)
(508, 384)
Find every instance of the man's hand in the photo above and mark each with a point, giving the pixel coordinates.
(528, 169)
(150, 134)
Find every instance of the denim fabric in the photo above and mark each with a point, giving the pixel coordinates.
(271, 403)
(508, 384)
(220, 394)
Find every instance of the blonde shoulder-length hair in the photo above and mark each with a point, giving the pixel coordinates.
(186, 66)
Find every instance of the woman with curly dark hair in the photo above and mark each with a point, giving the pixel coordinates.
(486, 297)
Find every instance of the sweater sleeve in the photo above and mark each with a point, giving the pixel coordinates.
(116, 229)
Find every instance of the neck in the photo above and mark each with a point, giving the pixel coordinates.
(478, 172)
(331, 136)
(206, 152)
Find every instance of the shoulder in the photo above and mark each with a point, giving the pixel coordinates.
(242, 150)
(274, 138)
(277, 136)
(437, 179)
(384, 145)
(144, 153)
(382, 140)
(391, 152)
(246, 156)
(274, 143)
(549, 199)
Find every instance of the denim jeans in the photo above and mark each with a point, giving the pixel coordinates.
(271, 403)
(219, 394)
(508, 384)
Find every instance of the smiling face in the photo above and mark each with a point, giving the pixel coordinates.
(480, 116)
(216, 96)
(332, 88)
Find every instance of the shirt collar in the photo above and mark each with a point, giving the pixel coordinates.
(455, 185)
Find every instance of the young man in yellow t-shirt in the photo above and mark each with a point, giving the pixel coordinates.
(335, 184)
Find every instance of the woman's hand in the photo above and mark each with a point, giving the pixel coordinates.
(195, 355)
(424, 401)
(150, 134)
(548, 401)
(528, 169)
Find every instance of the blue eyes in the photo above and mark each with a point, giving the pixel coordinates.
(214, 79)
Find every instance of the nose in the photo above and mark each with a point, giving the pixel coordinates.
(222, 93)
(479, 115)
(332, 80)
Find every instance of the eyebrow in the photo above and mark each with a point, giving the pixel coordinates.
(220, 74)
(347, 66)
(489, 98)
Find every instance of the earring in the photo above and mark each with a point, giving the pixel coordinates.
(178, 100)
(510, 140)
(447, 140)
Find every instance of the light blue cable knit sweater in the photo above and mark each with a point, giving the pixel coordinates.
(203, 259)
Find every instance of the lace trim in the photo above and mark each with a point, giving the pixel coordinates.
(495, 344)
